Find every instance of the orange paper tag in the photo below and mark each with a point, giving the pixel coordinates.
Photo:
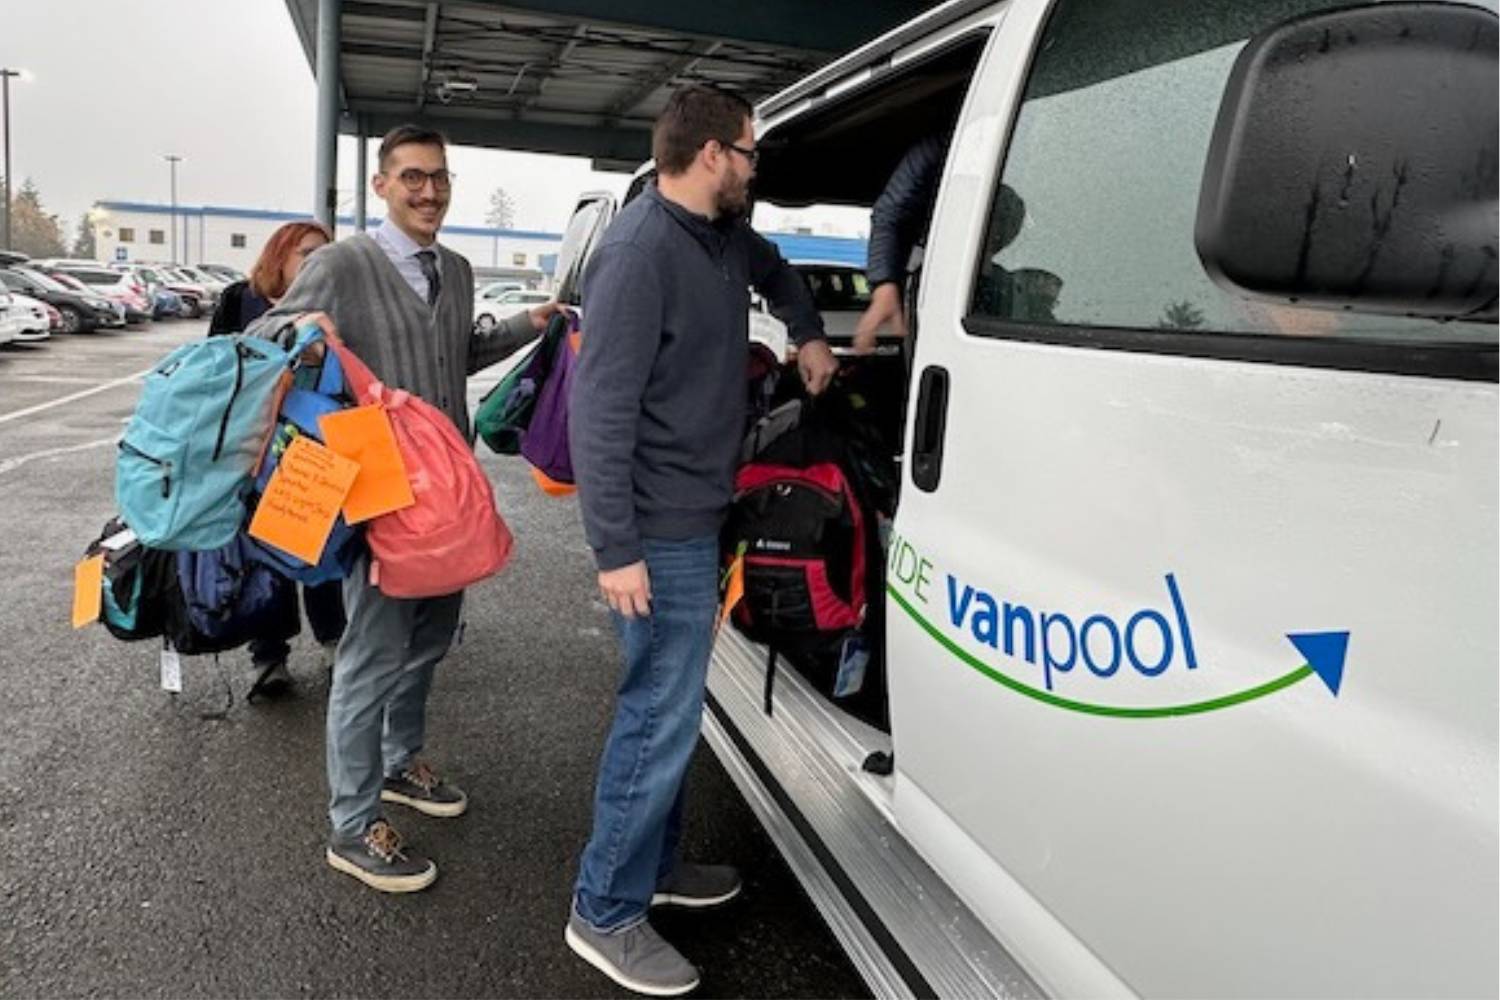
(364, 435)
(303, 498)
(88, 590)
(734, 587)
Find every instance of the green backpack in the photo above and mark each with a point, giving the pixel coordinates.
(505, 411)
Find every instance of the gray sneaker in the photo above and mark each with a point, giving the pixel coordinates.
(637, 958)
(377, 860)
(698, 886)
(419, 787)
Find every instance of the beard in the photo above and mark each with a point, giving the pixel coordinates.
(733, 198)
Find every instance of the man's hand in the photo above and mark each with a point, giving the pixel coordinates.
(817, 364)
(885, 307)
(627, 589)
(542, 315)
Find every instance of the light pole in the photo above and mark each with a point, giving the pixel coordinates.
(5, 75)
(174, 160)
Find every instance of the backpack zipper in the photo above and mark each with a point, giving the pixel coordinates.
(239, 378)
(161, 463)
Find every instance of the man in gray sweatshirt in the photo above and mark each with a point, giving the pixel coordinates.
(655, 421)
(405, 305)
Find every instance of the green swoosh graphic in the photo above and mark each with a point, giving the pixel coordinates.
(1156, 712)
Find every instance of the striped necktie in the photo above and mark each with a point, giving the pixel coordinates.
(428, 260)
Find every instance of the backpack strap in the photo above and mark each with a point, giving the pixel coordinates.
(770, 675)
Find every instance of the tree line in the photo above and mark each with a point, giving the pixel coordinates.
(38, 233)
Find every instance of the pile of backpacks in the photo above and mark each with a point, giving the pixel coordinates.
(213, 421)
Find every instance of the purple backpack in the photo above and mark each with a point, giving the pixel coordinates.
(545, 444)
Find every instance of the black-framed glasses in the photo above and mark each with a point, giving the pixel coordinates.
(751, 155)
(415, 180)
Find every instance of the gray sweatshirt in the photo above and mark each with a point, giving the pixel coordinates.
(658, 402)
(427, 350)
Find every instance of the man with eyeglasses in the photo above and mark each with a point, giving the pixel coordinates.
(405, 305)
(655, 421)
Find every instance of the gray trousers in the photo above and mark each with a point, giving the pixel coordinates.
(377, 708)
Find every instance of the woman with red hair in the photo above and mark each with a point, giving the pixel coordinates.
(246, 301)
(241, 304)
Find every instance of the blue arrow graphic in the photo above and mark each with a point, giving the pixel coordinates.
(1324, 652)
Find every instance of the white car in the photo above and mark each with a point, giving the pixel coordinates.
(25, 319)
(495, 289)
(488, 314)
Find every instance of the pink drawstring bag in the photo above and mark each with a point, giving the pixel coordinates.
(452, 537)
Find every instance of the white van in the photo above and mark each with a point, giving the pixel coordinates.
(1191, 611)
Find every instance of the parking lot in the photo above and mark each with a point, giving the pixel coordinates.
(147, 850)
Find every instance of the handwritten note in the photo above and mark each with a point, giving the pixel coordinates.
(302, 500)
(363, 434)
(88, 590)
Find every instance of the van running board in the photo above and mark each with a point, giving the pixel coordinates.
(904, 929)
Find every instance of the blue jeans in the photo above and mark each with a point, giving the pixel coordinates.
(638, 804)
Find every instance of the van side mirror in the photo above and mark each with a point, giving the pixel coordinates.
(1353, 163)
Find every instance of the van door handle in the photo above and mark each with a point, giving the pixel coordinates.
(932, 423)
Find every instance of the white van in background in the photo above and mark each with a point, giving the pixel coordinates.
(1191, 620)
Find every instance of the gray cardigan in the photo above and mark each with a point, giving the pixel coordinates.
(429, 351)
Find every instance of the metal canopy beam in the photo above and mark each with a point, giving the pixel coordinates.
(828, 27)
(604, 143)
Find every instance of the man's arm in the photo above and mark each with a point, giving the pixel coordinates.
(507, 337)
(313, 290)
(901, 214)
(904, 209)
(790, 301)
(623, 297)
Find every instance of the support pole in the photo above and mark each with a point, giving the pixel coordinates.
(325, 195)
(361, 176)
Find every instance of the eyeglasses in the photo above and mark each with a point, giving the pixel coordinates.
(415, 180)
(751, 155)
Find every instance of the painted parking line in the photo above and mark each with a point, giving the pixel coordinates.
(11, 464)
(102, 387)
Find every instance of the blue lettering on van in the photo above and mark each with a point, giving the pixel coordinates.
(1148, 640)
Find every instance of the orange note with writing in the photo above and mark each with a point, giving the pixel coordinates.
(88, 591)
(364, 435)
(302, 500)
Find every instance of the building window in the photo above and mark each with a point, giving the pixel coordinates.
(518, 260)
(127, 235)
(237, 240)
(157, 236)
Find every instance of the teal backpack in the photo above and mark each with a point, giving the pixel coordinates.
(204, 417)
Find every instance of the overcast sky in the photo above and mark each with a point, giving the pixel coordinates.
(116, 84)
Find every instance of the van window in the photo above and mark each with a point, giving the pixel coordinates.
(1092, 224)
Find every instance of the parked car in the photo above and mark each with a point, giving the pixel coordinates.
(11, 319)
(31, 318)
(214, 284)
(167, 304)
(225, 273)
(195, 298)
(81, 311)
(488, 314)
(495, 289)
(1188, 626)
(122, 287)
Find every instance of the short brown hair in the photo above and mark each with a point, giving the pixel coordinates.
(693, 116)
(265, 277)
(405, 135)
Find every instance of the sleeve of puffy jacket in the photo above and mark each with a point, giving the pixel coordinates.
(904, 209)
(784, 290)
(622, 321)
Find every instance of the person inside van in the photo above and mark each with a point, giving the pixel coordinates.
(242, 303)
(898, 226)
